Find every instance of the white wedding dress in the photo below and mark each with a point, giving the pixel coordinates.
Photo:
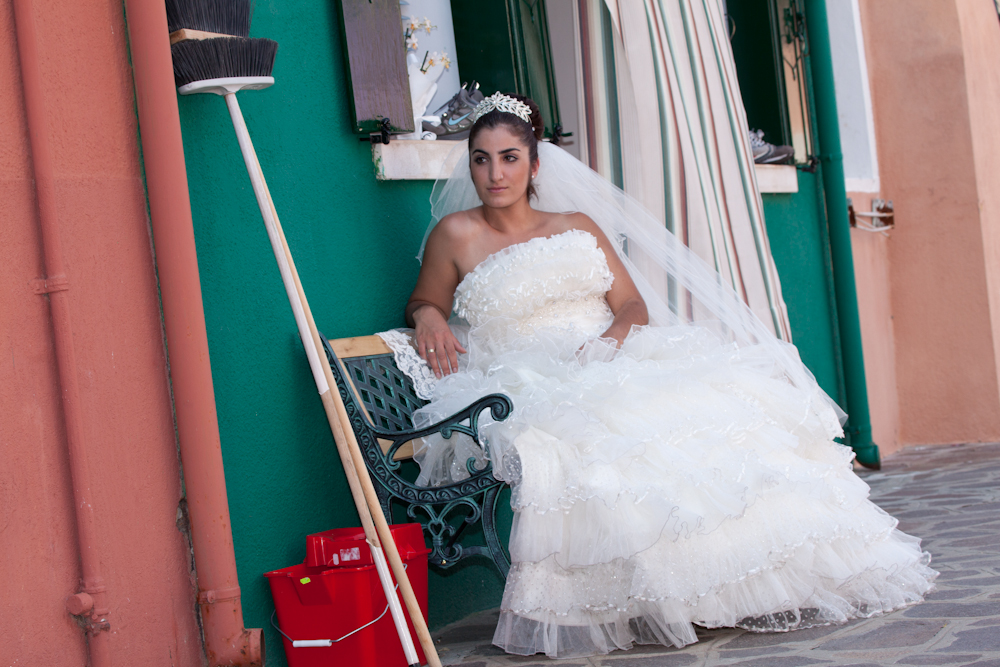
(679, 480)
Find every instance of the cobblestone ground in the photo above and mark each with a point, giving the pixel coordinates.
(949, 496)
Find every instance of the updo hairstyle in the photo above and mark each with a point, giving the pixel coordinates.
(529, 133)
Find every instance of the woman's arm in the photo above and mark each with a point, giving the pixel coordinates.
(430, 304)
(624, 299)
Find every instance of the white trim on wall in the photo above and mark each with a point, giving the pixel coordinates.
(567, 65)
(854, 100)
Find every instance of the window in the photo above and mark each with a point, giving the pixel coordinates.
(504, 45)
(769, 46)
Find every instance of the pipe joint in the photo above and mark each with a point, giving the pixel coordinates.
(245, 649)
(93, 621)
(231, 644)
(96, 625)
(49, 285)
(219, 595)
(79, 604)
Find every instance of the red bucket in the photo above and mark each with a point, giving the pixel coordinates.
(337, 591)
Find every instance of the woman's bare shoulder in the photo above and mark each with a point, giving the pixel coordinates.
(458, 225)
(580, 221)
(453, 236)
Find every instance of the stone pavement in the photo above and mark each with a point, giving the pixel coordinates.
(948, 495)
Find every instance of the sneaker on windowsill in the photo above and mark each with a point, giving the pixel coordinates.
(765, 153)
(456, 114)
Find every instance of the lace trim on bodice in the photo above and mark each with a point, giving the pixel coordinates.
(523, 278)
(408, 361)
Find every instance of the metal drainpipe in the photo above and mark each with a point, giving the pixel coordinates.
(859, 426)
(91, 603)
(227, 642)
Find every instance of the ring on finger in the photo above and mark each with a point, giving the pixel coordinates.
(430, 350)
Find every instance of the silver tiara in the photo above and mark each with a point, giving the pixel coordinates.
(504, 103)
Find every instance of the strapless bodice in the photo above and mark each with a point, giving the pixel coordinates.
(554, 282)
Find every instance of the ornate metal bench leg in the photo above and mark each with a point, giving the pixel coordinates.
(493, 542)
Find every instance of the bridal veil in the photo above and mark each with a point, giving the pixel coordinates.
(678, 286)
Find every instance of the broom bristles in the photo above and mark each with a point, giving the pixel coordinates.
(229, 17)
(222, 57)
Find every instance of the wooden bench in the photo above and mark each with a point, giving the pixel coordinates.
(380, 401)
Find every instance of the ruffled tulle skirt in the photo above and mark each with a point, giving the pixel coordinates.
(674, 482)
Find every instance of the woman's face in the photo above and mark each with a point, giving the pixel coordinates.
(501, 167)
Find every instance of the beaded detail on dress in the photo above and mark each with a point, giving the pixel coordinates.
(521, 280)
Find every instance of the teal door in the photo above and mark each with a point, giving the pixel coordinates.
(785, 71)
(768, 39)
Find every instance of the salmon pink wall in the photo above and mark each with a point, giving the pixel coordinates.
(981, 46)
(871, 271)
(121, 366)
(929, 293)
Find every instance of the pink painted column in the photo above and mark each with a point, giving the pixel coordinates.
(936, 100)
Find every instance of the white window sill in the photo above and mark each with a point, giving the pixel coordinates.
(408, 160)
(777, 178)
(402, 160)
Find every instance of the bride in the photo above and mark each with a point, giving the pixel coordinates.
(672, 464)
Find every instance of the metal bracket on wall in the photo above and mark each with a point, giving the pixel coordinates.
(881, 218)
(810, 165)
(558, 134)
(382, 136)
(49, 285)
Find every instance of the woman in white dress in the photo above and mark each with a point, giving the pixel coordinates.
(672, 464)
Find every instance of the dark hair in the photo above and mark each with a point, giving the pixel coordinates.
(529, 133)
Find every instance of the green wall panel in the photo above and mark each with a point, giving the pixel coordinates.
(354, 241)
(799, 238)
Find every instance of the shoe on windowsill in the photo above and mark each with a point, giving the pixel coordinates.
(765, 153)
(456, 114)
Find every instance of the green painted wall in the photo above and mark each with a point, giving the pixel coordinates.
(800, 244)
(354, 241)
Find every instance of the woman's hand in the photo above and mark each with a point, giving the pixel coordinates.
(630, 313)
(433, 296)
(436, 344)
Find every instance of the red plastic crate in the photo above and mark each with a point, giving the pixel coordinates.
(327, 597)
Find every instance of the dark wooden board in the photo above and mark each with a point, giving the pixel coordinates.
(376, 58)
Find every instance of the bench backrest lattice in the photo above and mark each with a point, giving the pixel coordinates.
(386, 393)
(380, 401)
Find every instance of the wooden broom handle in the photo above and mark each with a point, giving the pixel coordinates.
(322, 374)
(339, 421)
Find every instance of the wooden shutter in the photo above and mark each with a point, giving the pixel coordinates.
(376, 65)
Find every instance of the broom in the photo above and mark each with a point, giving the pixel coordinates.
(203, 19)
(224, 65)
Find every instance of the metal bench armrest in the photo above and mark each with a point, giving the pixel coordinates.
(499, 406)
